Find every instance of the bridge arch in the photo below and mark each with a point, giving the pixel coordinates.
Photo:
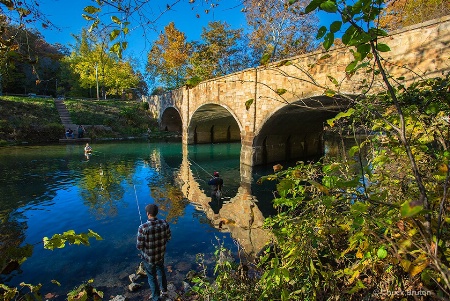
(171, 120)
(213, 123)
(294, 131)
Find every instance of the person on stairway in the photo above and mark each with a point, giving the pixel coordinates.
(81, 131)
(69, 133)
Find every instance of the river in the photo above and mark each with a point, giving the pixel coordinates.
(45, 190)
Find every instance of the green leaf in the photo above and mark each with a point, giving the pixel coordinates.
(408, 211)
(312, 268)
(383, 47)
(329, 181)
(382, 253)
(91, 9)
(348, 35)
(351, 67)
(265, 59)
(284, 186)
(324, 57)
(330, 92)
(114, 34)
(353, 150)
(363, 50)
(87, 17)
(321, 32)
(377, 32)
(312, 6)
(115, 20)
(328, 40)
(284, 63)
(340, 115)
(335, 26)
(94, 25)
(329, 6)
(359, 38)
(319, 186)
(358, 221)
(248, 103)
(333, 80)
(280, 91)
(359, 208)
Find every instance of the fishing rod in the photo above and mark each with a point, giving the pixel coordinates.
(139, 210)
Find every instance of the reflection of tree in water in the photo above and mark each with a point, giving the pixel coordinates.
(11, 237)
(101, 186)
(170, 199)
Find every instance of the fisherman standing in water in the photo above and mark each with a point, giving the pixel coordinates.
(217, 184)
(87, 148)
(87, 151)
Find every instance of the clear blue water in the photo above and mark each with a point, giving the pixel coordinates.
(51, 189)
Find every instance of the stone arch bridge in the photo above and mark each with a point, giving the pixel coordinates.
(278, 111)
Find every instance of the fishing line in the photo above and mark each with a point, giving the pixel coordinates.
(201, 167)
(139, 210)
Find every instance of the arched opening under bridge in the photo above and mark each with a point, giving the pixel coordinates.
(295, 130)
(213, 123)
(171, 121)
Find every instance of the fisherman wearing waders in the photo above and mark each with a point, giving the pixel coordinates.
(152, 238)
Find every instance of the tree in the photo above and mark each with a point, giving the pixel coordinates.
(280, 30)
(167, 60)
(104, 71)
(29, 63)
(218, 53)
(401, 13)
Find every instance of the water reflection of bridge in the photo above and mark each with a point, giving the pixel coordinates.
(238, 215)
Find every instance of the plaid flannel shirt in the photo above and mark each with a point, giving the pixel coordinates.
(152, 238)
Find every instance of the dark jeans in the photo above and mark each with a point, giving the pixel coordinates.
(155, 271)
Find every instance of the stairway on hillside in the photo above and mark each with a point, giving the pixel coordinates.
(64, 115)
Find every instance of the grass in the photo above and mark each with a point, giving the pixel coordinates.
(36, 120)
(28, 119)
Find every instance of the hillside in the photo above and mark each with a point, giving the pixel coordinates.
(36, 120)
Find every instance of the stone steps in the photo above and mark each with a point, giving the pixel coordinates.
(64, 116)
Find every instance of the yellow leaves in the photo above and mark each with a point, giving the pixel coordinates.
(280, 91)
(405, 264)
(362, 249)
(405, 244)
(415, 267)
(442, 167)
(248, 103)
(359, 254)
(354, 276)
(277, 167)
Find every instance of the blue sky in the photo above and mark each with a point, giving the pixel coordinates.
(66, 15)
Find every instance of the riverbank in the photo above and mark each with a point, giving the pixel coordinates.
(26, 120)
